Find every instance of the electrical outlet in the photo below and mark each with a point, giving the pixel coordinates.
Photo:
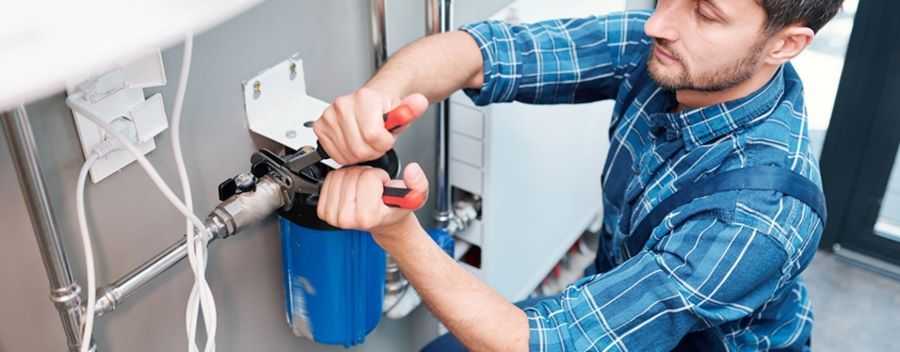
(117, 98)
(117, 114)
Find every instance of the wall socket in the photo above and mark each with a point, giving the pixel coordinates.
(117, 97)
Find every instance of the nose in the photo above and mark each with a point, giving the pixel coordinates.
(660, 24)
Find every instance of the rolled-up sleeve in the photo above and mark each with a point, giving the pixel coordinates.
(707, 272)
(558, 61)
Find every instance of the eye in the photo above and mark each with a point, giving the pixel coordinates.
(703, 16)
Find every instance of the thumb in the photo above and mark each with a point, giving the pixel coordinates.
(414, 178)
(415, 181)
(417, 102)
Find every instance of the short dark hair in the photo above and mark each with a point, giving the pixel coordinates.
(811, 13)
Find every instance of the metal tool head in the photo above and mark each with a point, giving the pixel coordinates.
(298, 172)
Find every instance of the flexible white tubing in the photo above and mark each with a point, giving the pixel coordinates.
(75, 103)
(201, 295)
(88, 327)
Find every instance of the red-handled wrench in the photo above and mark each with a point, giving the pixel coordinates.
(395, 197)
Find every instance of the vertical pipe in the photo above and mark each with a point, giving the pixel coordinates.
(395, 283)
(64, 291)
(439, 19)
(379, 34)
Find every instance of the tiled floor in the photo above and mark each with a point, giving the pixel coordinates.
(855, 309)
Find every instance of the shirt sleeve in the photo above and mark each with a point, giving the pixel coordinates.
(558, 61)
(706, 272)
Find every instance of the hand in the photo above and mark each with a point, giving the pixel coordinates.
(351, 199)
(352, 129)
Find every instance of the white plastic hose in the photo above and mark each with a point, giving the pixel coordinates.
(88, 327)
(76, 102)
(201, 295)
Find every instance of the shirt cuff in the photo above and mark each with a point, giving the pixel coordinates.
(496, 43)
(537, 331)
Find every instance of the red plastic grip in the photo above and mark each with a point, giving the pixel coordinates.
(404, 198)
(399, 117)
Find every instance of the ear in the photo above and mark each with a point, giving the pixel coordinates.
(788, 43)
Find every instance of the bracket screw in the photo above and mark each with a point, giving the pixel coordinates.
(257, 89)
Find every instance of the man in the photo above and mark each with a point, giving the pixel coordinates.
(702, 87)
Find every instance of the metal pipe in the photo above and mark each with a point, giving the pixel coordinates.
(439, 19)
(379, 33)
(64, 291)
(228, 218)
(110, 296)
(395, 282)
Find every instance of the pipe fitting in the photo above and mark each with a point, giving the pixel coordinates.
(244, 209)
(225, 220)
(107, 300)
(462, 216)
(65, 296)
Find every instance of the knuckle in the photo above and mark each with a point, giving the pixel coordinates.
(387, 144)
(368, 135)
(318, 128)
(328, 118)
(374, 175)
(369, 175)
(338, 174)
(320, 209)
(334, 178)
(342, 100)
(359, 152)
(367, 221)
(344, 220)
(372, 136)
(359, 171)
(363, 93)
(342, 104)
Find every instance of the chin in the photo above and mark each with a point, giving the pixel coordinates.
(667, 78)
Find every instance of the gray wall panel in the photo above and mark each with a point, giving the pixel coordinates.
(131, 221)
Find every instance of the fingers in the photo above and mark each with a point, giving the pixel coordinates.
(351, 198)
(328, 131)
(330, 196)
(347, 216)
(352, 128)
(355, 113)
(370, 209)
(371, 122)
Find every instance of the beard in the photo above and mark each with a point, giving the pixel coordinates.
(713, 80)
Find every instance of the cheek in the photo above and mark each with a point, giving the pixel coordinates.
(712, 50)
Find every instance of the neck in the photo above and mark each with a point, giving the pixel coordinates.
(691, 99)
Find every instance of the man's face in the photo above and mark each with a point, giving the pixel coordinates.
(706, 45)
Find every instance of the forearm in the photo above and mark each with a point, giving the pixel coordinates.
(475, 313)
(435, 66)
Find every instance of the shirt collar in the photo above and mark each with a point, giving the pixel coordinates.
(703, 125)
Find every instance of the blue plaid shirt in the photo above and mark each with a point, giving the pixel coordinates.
(727, 265)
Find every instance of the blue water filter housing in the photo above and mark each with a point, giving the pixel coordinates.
(334, 282)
